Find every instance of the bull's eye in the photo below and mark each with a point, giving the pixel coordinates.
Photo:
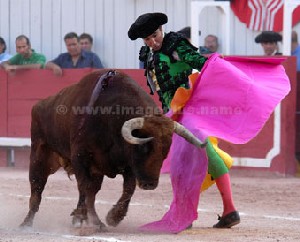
(141, 153)
(144, 148)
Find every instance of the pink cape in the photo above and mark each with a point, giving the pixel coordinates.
(231, 99)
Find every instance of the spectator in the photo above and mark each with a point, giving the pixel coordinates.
(186, 33)
(296, 48)
(26, 58)
(75, 57)
(86, 42)
(211, 44)
(268, 41)
(3, 55)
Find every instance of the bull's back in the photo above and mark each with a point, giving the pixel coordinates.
(51, 117)
(125, 92)
(60, 117)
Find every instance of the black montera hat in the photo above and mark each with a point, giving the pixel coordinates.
(268, 36)
(146, 24)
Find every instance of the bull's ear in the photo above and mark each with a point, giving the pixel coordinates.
(128, 126)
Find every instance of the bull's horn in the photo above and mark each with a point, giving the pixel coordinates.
(185, 133)
(128, 126)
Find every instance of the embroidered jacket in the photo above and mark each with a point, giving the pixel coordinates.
(169, 68)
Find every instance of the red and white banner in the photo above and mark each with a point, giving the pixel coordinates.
(262, 15)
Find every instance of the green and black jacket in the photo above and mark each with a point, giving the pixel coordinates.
(172, 65)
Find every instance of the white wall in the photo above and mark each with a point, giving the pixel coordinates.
(46, 22)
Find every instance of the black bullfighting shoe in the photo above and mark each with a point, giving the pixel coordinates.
(228, 220)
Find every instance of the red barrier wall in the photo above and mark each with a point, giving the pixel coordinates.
(272, 150)
(26, 87)
(3, 103)
(298, 118)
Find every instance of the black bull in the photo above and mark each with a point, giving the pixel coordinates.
(102, 126)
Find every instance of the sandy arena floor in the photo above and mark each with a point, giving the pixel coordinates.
(269, 208)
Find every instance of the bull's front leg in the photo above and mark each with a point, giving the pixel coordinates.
(80, 213)
(118, 212)
(88, 186)
(85, 210)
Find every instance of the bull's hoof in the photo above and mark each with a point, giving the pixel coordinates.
(77, 222)
(28, 221)
(102, 227)
(25, 226)
(89, 230)
(79, 215)
(114, 217)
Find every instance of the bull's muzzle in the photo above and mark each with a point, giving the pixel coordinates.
(147, 185)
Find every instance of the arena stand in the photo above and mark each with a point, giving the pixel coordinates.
(272, 150)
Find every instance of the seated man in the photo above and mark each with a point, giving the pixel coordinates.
(4, 56)
(86, 42)
(26, 58)
(186, 32)
(211, 44)
(75, 57)
(211, 41)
